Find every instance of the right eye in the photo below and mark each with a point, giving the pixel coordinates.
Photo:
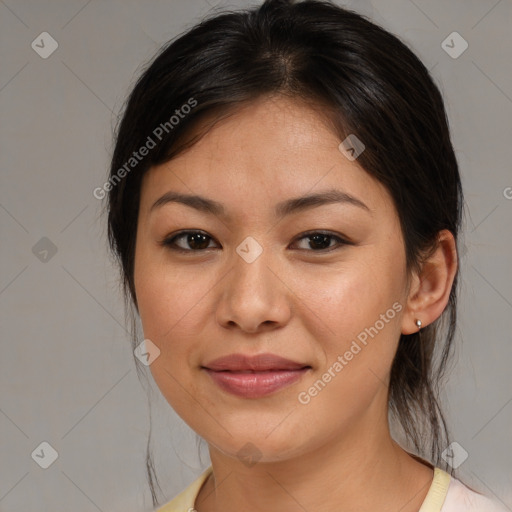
(196, 240)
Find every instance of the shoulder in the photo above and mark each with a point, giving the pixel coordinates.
(461, 498)
(184, 501)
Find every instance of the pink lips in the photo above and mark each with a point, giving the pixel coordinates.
(254, 376)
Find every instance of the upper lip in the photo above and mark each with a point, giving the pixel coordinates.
(259, 362)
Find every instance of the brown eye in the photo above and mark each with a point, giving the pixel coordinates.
(319, 241)
(197, 241)
(192, 241)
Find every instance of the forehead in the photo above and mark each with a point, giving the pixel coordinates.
(267, 150)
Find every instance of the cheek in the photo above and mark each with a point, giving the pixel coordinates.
(356, 324)
(356, 316)
(348, 300)
(171, 305)
(170, 299)
(171, 308)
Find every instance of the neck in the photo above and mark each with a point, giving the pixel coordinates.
(363, 471)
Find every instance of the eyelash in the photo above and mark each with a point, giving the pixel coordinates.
(170, 242)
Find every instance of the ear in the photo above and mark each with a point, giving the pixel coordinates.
(431, 286)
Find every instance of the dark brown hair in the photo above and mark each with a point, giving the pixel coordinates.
(368, 83)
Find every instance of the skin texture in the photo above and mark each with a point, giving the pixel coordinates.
(295, 301)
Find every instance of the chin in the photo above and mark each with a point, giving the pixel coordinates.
(258, 445)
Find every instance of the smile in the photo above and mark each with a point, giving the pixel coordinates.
(255, 384)
(254, 376)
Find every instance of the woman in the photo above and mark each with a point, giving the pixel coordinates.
(285, 204)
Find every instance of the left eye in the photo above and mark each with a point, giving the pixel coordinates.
(319, 241)
(198, 241)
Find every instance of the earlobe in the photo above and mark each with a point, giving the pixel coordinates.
(431, 286)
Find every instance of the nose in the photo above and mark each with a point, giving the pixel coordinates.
(254, 297)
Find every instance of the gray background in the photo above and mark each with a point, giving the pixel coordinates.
(67, 374)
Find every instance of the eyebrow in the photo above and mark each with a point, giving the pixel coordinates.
(282, 209)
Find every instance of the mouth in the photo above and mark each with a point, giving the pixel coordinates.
(254, 376)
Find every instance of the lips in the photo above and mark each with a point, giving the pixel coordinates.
(258, 363)
(254, 376)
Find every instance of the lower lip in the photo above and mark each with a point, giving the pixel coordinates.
(255, 385)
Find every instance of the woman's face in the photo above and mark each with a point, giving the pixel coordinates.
(255, 283)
